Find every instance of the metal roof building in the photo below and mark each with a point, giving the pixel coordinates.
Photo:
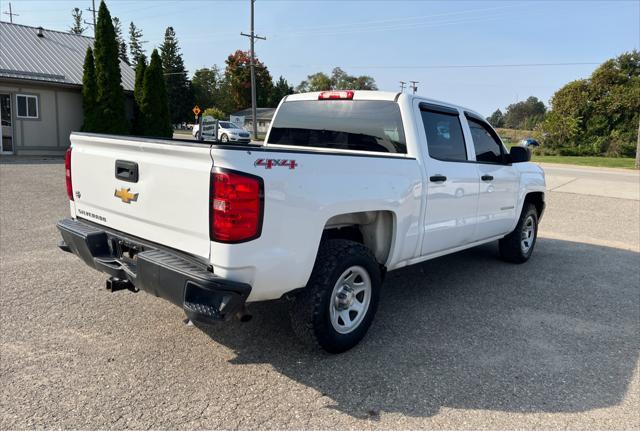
(40, 84)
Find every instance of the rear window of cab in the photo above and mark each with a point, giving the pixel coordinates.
(362, 125)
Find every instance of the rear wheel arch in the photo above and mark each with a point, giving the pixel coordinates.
(374, 229)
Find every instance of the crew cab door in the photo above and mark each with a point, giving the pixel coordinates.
(499, 181)
(452, 182)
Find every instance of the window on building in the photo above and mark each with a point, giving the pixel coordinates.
(27, 106)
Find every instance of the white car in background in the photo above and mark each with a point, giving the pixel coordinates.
(227, 132)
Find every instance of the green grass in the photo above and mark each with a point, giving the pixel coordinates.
(605, 162)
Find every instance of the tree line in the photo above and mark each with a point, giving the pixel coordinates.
(596, 116)
(221, 91)
(103, 98)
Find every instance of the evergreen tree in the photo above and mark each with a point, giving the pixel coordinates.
(89, 92)
(179, 90)
(280, 90)
(122, 46)
(110, 112)
(141, 67)
(155, 105)
(135, 43)
(77, 27)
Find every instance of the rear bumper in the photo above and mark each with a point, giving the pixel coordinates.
(162, 272)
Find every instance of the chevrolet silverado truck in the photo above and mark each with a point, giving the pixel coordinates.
(347, 186)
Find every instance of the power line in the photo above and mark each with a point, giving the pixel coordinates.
(456, 66)
(11, 14)
(355, 25)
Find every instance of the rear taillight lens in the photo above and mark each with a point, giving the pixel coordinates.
(236, 206)
(67, 173)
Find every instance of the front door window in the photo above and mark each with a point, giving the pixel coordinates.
(7, 125)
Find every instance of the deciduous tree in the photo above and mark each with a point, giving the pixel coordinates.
(339, 80)
(496, 119)
(524, 115)
(238, 77)
(606, 107)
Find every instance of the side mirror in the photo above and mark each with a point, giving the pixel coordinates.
(519, 154)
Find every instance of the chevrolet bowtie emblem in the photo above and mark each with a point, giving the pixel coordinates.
(125, 195)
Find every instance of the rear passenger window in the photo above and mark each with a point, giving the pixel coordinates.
(488, 148)
(445, 140)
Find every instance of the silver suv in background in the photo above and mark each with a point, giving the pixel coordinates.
(227, 131)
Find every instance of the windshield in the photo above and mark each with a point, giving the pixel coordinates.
(365, 125)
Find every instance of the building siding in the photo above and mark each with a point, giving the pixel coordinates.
(60, 113)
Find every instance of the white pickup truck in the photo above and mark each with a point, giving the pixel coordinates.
(347, 186)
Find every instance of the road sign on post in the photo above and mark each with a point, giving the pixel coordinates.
(196, 110)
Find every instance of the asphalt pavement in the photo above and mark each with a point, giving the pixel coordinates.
(460, 342)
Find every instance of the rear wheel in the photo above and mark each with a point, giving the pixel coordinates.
(518, 246)
(337, 307)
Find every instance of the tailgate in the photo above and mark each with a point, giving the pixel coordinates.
(169, 202)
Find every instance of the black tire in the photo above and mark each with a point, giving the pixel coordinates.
(310, 309)
(224, 138)
(511, 247)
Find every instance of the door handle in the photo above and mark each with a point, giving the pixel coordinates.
(437, 178)
(486, 178)
(127, 171)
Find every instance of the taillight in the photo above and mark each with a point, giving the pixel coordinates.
(236, 206)
(67, 173)
(333, 95)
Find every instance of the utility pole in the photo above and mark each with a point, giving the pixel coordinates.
(402, 85)
(253, 37)
(638, 149)
(11, 14)
(414, 87)
(92, 9)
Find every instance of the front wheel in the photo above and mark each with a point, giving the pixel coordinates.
(224, 138)
(518, 246)
(337, 307)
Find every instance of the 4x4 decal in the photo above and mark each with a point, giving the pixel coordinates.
(270, 163)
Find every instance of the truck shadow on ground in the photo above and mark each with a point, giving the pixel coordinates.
(467, 331)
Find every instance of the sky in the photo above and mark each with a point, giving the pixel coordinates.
(479, 54)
